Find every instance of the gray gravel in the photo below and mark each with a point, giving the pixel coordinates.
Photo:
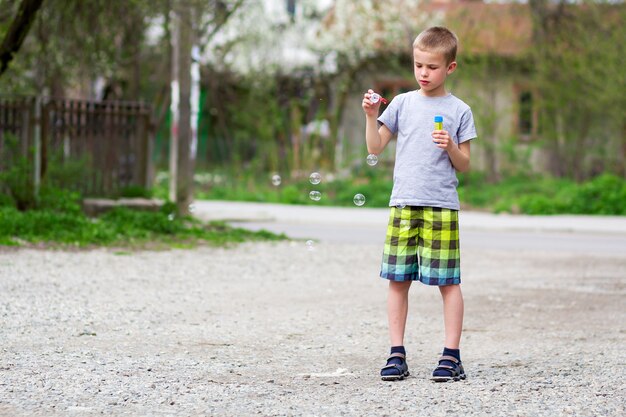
(276, 329)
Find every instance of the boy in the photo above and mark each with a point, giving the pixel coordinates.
(422, 242)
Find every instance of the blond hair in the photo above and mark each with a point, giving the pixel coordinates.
(439, 40)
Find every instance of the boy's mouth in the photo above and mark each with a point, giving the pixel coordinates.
(424, 82)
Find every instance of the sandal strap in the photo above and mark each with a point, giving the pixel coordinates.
(392, 366)
(449, 358)
(397, 355)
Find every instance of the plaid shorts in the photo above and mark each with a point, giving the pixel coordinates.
(422, 244)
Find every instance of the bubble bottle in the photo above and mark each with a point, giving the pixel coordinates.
(438, 122)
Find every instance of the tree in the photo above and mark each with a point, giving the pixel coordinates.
(187, 17)
(75, 44)
(17, 32)
(182, 156)
(355, 35)
(108, 50)
(578, 62)
(301, 70)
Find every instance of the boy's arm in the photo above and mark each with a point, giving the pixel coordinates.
(376, 137)
(460, 156)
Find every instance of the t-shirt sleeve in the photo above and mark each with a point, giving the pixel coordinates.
(467, 130)
(390, 116)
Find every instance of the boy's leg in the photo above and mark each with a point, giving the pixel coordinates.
(400, 267)
(397, 310)
(440, 265)
(450, 367)
(452, 314)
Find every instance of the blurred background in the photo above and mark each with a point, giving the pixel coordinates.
(190, 99)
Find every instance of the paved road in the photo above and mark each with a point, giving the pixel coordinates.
(581, 234)
(477, 239)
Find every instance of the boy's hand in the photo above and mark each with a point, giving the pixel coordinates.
(442, 139)
(370, 109)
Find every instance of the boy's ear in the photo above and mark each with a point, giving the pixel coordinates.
(451, 67)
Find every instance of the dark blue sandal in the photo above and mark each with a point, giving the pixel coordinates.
(448, 369)
(395, 371)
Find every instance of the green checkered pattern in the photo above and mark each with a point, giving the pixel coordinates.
(422, 244)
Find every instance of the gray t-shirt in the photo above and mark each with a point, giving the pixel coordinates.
(423, 173)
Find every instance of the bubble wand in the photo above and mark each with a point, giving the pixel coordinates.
(375, 98)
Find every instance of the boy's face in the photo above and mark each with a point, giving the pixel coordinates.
(431, 71)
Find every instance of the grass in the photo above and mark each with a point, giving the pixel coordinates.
(57, 220)
(60, 222)
(603, 195)
(375, 186)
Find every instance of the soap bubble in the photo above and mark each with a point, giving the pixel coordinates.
(372, 159)
(315, 195)
(276, 180)
(310, 245)
(405, 224)
(171, 217)
(315, 178)
(359, 199)
(192, 208)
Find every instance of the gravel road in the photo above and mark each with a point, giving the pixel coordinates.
(278, 329)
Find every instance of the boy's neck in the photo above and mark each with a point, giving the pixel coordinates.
(439, 93)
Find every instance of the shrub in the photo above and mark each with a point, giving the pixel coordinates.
(59, 200)
(17, 182)
(135, 191)
(605, 194)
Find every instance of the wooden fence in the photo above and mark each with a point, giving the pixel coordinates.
(109, 143)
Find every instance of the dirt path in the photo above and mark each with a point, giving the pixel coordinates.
(276, 329)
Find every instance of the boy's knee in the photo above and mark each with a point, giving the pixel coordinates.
(399, 285)
(450, 289)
